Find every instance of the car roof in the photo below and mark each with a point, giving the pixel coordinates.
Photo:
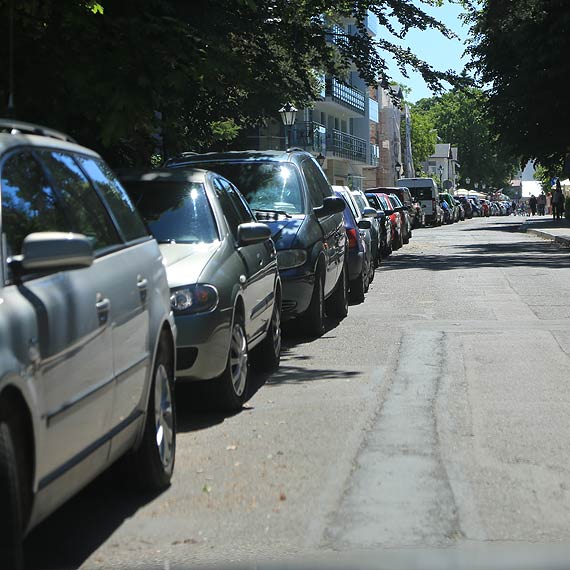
(165, 175)
(10, 141)
(290, 155)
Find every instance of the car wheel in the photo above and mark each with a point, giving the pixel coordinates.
(357, 289)
(406, 238)
(11, 520)
(337, 303)
(152, 463)
(230, 389)
(372, 273)
(313, 320)
(268, 353)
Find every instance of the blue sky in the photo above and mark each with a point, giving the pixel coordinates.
(431, 46)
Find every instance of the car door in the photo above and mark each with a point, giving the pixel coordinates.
(68, 334)
(334, 236)
(132, 271)
(257, 293)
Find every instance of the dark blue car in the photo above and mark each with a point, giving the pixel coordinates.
(289, 192)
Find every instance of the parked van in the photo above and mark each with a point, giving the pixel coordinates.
(426, 193)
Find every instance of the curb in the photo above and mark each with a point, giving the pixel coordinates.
(560, 240)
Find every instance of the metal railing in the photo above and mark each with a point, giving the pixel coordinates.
(374, 154)
(310, 136)
(346, 95)
(348, 146)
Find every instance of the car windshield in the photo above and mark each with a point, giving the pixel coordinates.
(267, 186)
(174, 211)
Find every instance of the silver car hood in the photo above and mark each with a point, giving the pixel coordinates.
(185, 262)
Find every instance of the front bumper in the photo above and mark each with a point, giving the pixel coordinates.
(202, 344)
(298, 286)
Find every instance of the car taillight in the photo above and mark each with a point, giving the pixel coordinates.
(352, 238)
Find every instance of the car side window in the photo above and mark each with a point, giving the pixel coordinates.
(231, 215)
(29, 203)
(243, 209)
(117, 199)
(89, 216)
(315, 191)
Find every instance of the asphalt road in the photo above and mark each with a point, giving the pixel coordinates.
(437, 414)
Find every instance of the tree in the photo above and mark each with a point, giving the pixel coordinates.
(424, 136)
(462, 119)
(139, 77)
(520, 50)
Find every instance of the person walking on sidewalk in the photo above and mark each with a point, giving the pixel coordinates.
(549, 204)
(532, 204)
(541, 203)
(557, 202)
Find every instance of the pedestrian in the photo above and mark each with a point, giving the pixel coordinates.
(514, 208)
(541, 203)
(549, 204)
(557, 202)
(532, 204)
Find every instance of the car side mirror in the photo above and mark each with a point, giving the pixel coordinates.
(389, 212)
(365, 224)
(51, 252)
(331, 205)
(369, 213)
(252, 233)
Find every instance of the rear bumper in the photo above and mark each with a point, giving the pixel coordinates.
(355, 264)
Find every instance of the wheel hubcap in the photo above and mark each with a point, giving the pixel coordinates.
(163, 416)
(276, 330)
(238, 359)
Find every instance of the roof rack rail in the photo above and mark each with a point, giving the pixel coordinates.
(295, 148)
(186, 153)
(20, 127)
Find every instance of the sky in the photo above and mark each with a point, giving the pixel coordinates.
(431, 46)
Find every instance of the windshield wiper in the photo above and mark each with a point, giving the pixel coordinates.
(277, 212)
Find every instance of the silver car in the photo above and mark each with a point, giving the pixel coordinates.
(222, 271)
(87, 336)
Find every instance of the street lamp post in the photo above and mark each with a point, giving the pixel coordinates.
(288, 114)
(398, 168)
(441, 176)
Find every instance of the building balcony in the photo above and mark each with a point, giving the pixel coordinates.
(343, 145)
(310, 136)
(346, 96)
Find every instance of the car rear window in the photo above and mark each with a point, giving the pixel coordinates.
(267, 186)
(422, 192)
(174, 211)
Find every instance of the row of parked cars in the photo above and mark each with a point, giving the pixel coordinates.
(114, 285)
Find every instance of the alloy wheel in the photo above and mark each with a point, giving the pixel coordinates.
(238, 359)
(164, 417)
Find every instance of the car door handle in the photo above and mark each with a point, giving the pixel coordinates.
(260, 259)
(103, 306)
(142, 286)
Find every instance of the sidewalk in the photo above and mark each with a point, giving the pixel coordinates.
(545, 227)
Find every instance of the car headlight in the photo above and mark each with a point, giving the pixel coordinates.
(194, 299)
(289, 258)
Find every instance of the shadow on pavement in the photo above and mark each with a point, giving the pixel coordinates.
(68, 537)
(523, 253)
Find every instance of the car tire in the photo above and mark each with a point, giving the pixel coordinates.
(313, 320)
(357, 289)
(268, 354)
(337, 303)
(12, 518)
(406, 238)
(231, 388)
(151, 465)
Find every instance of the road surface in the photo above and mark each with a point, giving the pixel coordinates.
(436, 414)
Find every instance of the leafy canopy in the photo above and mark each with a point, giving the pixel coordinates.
(139, 77)
(461, 118)
(520, 51)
